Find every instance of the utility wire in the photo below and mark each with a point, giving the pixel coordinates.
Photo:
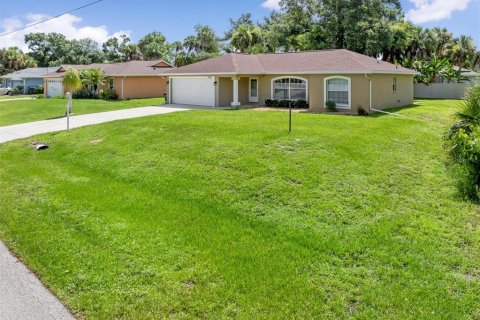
(51, 18)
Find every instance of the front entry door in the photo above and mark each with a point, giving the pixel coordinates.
(253, 90)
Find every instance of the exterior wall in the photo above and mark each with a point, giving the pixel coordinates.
(225, 92)
(383, 96)
(29, 82)
(140, 87)
(359, 84)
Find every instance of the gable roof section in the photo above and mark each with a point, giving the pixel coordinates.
(308, 62)
(119, 69)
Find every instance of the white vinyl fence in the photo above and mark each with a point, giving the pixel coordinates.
(441, 90)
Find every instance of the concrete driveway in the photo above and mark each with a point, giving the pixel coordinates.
(29, 129)
(22, 295)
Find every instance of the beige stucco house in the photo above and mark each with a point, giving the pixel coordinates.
(351, 80)
(130, 80)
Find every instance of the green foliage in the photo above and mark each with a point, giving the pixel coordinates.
(204, 45)
(430, 69)
(247, 39)
(18, 90)
(13, 59)
(83, 93)
(39, 90)
(108, 94)
(463, 142)
(295, 104)
(71, 80)
(53, 49)
(331, 106)
(155, 46)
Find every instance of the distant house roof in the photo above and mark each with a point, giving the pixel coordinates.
(308, 62)
(130, 68)
(466, 72)
(29, 73)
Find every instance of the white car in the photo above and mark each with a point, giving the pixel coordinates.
(6, 91)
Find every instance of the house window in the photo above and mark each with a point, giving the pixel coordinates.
(338, 90)
(394, 84)
(289, 89)
(111, 83)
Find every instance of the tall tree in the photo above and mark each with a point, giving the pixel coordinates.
(13, 59)
(155, 46)
(247, 38)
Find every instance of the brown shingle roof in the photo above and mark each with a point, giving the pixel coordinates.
(325, 61)
(130, 68)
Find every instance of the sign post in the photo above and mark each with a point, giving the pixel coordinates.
(289, 116)
(69, 109)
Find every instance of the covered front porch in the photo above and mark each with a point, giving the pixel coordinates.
(236, 91)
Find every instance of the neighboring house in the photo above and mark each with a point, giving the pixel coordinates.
(469, 75)
(351, 80)
(130, 80)
(29, 79)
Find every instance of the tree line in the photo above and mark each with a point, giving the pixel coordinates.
(370, 27)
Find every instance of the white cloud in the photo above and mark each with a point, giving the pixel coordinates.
(434, 10)
(67, 25)
(271, 4)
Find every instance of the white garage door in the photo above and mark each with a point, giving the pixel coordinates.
(193, 91)
(54, 88)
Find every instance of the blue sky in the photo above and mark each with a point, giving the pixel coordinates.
(177, 18)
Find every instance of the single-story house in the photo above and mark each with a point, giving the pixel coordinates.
(349, 79)
(30, 78)
(130, 80)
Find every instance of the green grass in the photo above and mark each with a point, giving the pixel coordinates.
(223, 214)
(13, 112)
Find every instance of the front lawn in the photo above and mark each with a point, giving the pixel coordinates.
(223, 214)
(13, 112)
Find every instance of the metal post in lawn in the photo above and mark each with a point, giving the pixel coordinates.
(290, 116)
(69, 109)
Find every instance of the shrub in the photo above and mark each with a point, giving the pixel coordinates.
(39, 90)
(296, 104)
(18, 90)
(463, 143)
(331, 106)
(84, 93)
(108, 94)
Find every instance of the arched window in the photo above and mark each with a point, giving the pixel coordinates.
(339, 90)
(289, 88)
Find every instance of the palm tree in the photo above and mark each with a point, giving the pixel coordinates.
(245, 38)
(462, 51)
(95, 78)
(443, 39)
(71, 82)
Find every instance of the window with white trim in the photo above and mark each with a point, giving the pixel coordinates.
(111, 83)
(338, 91)
(289, 89)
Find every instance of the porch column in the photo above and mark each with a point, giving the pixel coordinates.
(235, 102)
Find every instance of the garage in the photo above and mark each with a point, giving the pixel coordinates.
(54, 88)
(193, 91)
